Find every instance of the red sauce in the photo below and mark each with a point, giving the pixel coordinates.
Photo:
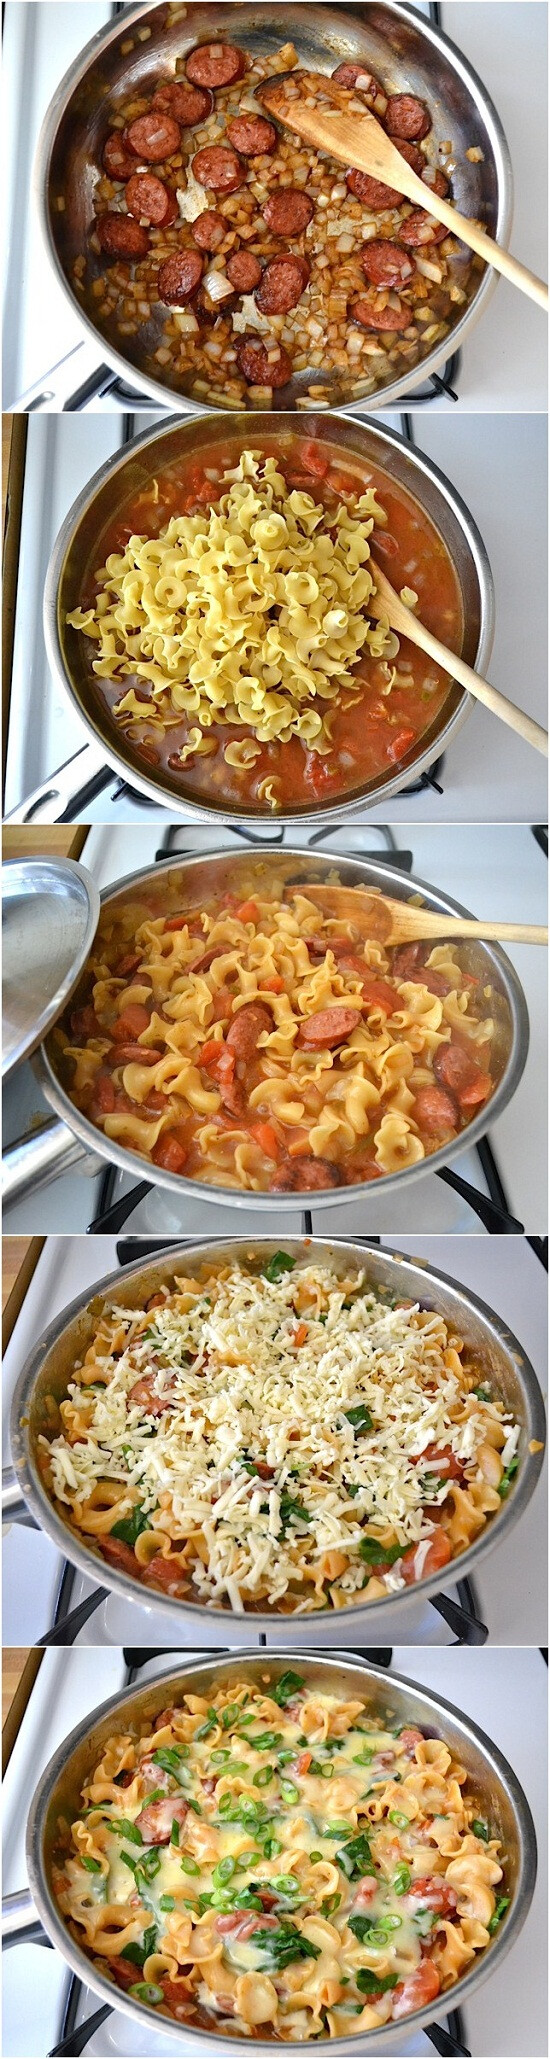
(381, 731)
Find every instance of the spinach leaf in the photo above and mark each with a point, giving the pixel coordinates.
(280, 1263)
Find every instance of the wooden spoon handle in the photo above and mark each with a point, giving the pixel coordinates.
(486, 932)
(484, 245)
(406, 624)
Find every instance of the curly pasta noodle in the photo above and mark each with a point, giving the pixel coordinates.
(281, 1439)
(257, 1045)
(247, 612)
(286, 1861)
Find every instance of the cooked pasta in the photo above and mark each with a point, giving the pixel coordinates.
(248, 611)
(257, 1045)
(281, 1861)
(278, 1439)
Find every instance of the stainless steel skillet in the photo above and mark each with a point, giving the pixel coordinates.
(50, 1365)
(397, 44)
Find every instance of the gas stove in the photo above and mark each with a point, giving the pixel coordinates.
(498, 1184)
(47, 2010)
(490, 774)
(48, 366)
(46, 1600)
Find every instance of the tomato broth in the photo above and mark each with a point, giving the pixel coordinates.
(373, 733)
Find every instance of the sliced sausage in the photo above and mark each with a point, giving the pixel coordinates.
(154, 136)
(252, 135)
(120, 236)
(209, 230)
(149, 200)
(380, 318)
(419, 228)
(304, 1176)
(119, 1554)
(179, 277)
(284, 280)
(330, 1027)
(244, 271)
(407, 958)
(188, 105)
(369, 87)
(156, 1819)
(215, 64)
(435, 1111)
(386, 264)
(134, 1054)
(434, 981)
(288, 211)
(239, 1926)
(84, 1022)
(143, 1394)
(436, 182)
(246, 1027)
(218, 168)
(461, 1074)
(372, 192)
(407, 118)
(258, 365)
(412, 156)
(118, 162)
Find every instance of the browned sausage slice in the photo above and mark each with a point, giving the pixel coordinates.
(371, 191)
(330, 1027)
(247, 1025)
(369, 88)
(259, 367)
(188, 105)
(209, 230)
(156, 1819)
(435, 1111)
(119, 1554)
(149, 200)
(179, 277)
(215, 64)
(118, 162)
(143, 1394)
(386, 264)
(407, 118)
(244, 271)
(407, 958)
(154, 136)
(134, 1054)
(218, 168)
(252, 135)
(283, 282)
(435, 180)
(379, 318)
(419, 228)
(288, 212)
(120, 236)
(455, 1067)
(304, 1175)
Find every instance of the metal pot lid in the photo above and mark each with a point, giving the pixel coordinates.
(50, 911)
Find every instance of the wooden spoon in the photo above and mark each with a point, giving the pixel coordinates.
(360, 141)
(386, 603)
(402, 922)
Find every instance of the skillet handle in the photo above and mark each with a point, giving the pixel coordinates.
(33, 1161)
(20, 1921)
(63, 797)
(14, 1507)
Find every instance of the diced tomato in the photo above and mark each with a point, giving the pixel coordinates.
(299, 1335)
(170, 1153)
(399, 743)
(320, 773)
(343, 482)
(366, 1889)
(434, 1893)
(439, 1458)
(247, 911)
(176, 922)
(133, 1021)
(274, 985)
(264, 1135)
(417, 1990)
(163, 1572)
(438, 1554)
(477, 1091)
(303, 1763)
(209, 1053)
(378, 994)
(314, 458)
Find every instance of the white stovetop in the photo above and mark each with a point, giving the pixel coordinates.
(504, 363)
(506, 2016)
(510, 1600)
(490, 774)
(495, 871)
